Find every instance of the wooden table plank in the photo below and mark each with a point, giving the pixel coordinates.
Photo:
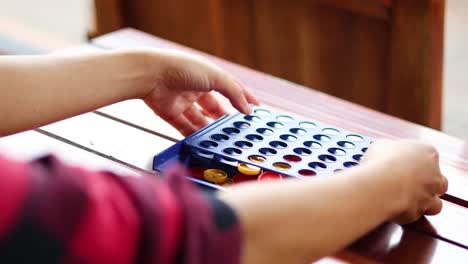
(32, 144)
(114, 140)
(395, 244)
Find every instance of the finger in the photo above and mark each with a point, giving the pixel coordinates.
(232, 91)
(443, 186)
(211, 106)
(196, 117)
(248, 94)
(183, 125)
(250, 97)
(435, 206)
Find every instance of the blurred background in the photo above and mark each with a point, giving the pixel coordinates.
(58, 23)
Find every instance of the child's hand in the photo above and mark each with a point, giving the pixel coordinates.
(415, 167)
(181, 81)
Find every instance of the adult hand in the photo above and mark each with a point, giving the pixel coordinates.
(416, 170)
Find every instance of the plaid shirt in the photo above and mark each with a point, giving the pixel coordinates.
(54, 213)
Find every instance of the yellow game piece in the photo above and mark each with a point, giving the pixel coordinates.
(248, 169)
(226, 183)
(281, 165)
(257, 158)
(215, 175)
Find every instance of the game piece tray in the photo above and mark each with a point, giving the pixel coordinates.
(272, 141)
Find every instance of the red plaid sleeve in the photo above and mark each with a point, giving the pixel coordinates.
(53, 213)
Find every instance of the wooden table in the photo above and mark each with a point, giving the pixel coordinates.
(124, 137)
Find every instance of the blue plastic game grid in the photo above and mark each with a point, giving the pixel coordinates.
(315, 148)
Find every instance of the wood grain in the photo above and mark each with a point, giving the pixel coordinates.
(328, 49)
(109, 18)
(380, 9)
(33, 144)
(416, 61)
(361, 50)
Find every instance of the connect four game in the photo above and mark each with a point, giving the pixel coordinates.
(264, 146)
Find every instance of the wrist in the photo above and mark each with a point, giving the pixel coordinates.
(385, 181)
(135, 72)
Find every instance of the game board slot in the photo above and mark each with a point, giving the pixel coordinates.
(248, 169)
(317, 165)
(219, 137)
(331, 131)
(307, 124)
(262, 112)
(275, 124)
(287, 137)
(364, 150)
(252, 118)
(292, 158)
(202, 153)
(312, 144)
(346, 144)
(357, 157)
(298, 131)
(349, 164)
(208, 144)
(241, 124)
(323, 138)
(327, 158)
(243, 144)
(265, 131)
(282, 165)
(232, 151)
(268, 151)
(231, 130)
(226, 160)
(257, 158)
(278, 144)
(355, 138)
(254, 137)
(337, 151)
(284, 118)
(307, 173)
(302, 151)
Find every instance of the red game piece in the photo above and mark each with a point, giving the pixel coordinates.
(197, 172)
(243, 178)
(270, 176)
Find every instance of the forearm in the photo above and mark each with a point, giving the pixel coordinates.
(37, 90)
(302, 221)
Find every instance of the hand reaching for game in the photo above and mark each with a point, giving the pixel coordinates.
(415, 167)
(183, 81)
